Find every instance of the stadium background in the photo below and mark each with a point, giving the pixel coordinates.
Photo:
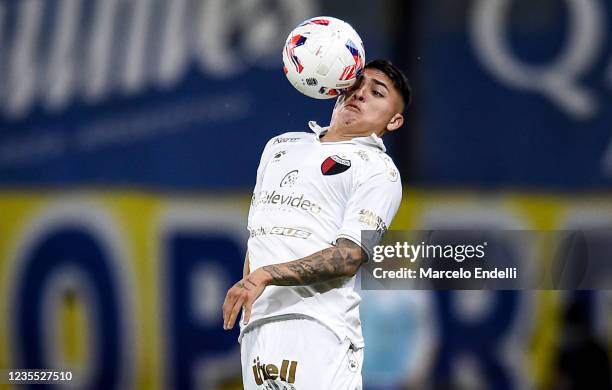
(130, 132)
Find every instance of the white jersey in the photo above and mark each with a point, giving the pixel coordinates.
(308, 194)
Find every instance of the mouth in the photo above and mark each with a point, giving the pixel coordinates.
(352, 107)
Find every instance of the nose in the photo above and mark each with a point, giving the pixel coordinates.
(357, 91)
(359, 94)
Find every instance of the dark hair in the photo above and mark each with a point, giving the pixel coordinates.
(399, 79)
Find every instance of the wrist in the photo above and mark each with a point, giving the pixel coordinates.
(262, 277)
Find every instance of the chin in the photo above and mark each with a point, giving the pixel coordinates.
(348, 119)
(348, 122)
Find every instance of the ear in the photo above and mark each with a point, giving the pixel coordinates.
(396, 122)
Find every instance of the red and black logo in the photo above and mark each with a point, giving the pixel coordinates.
(334, 165)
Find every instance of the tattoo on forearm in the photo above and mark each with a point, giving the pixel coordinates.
(343, 259)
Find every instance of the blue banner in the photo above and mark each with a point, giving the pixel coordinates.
(516, 94)
(181, 94)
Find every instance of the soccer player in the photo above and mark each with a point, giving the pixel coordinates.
(314, 195)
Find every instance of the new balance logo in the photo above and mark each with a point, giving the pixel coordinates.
(263, 372)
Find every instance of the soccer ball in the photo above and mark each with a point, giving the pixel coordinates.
(323, 56)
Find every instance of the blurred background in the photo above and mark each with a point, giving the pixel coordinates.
(130, 133)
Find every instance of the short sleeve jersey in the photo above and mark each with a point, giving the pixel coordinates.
(307, 195)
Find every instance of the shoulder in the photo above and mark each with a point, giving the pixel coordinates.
(377, 163)
(283, 140)
(289, 137)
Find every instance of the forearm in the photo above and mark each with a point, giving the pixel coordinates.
(341, 260)
(245, 268)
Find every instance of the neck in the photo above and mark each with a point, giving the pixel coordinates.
(345, 134)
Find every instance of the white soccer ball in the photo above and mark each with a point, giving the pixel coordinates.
(323, 56)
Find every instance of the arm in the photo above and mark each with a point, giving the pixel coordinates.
(340, 260)
(245, 269)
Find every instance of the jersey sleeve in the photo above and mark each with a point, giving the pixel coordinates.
(371, 209)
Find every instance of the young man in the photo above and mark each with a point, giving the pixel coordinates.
(314, 195)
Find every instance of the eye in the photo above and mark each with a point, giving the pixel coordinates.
(377, 94)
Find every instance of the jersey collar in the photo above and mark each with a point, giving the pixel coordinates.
(371, 140)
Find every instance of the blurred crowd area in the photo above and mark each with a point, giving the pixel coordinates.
(131, 130)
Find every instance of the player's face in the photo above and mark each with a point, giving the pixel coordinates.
(371, 105)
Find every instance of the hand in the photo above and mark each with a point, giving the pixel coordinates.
(242, 295)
